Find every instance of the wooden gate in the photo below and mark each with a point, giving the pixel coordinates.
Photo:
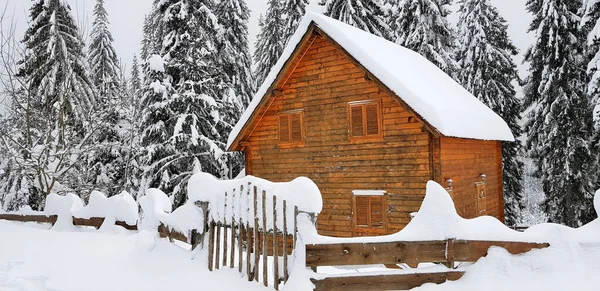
(253, 228)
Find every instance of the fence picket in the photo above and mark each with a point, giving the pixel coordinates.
(241, 231)
(264, 231)
(275, 255)
(233, 231)
(218, 246)
(285, 235)
(225, 232)
(256, 237)
(211, 245)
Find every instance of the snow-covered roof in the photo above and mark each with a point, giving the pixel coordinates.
(430, 92)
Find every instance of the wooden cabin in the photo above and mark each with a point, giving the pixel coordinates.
(370, 122)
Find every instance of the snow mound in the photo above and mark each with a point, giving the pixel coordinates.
(185, 218)
(234, 199)
(155, 205)
(62, 205)
(120, 207)
(301, 192)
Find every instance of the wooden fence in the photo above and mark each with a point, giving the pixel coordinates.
(409, 252)
(51, 219)
(251, 230)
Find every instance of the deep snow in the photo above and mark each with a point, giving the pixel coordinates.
(34, 258)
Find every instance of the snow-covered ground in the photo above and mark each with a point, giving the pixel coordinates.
(34, 258)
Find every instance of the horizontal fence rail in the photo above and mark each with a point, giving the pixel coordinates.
(401, 252)
(51, 219)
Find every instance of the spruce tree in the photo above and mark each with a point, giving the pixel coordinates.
(560, 120)
(236, 61)
(422, 26)
(103, 58)
(487, 70)
(368, 15)
(591, 28)
(136, 80)
(294, 11)
(54, 112)
(183, 127)
(106, 163)
(270, 41)
(235, 64)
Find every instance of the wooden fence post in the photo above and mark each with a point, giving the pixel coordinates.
(211, 245)
(256, 236)
(264, 250)
(275, 243)
(285, 236)
(225, 232)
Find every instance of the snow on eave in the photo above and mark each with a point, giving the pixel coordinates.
(435, 97)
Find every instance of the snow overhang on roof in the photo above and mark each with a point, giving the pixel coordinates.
(431, 93)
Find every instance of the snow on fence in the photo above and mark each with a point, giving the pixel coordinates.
(64, 212)
(436, 235)
(251, 222)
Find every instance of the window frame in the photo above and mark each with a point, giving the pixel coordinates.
(289, 114)
(371, 195)
(365, 137)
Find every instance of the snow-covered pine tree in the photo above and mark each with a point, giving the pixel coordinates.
(236, 62)
(55, 112)
(294, 11)
(422, 26)
(189, 135)
(103, 58)
(106, 164)
(136, 80)
(560, 117)
(270, 41)
(488, 71)
(368, 15)
(236, 66)
(591, 27)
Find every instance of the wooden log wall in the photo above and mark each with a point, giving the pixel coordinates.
(464, 161)
(322, 83)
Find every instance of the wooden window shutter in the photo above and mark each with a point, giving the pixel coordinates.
(356, 121)
(296, 127)
(361, 213)
(284, 128)
(372, 118)
(377, 209)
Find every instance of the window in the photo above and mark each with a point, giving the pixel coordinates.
(291, 130)
(369, 208)
(365, 120)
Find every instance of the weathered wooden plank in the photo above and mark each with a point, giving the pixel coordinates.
(285, 239)
(218, 246)
(225, 232)
(275, 254)
(410, 253)
(255, 237)
(375, 253)
(471, 251)
(264, 238)
(384, 282)
(211, 245)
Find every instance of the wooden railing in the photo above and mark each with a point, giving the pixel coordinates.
(408, 252)
(51, 219)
